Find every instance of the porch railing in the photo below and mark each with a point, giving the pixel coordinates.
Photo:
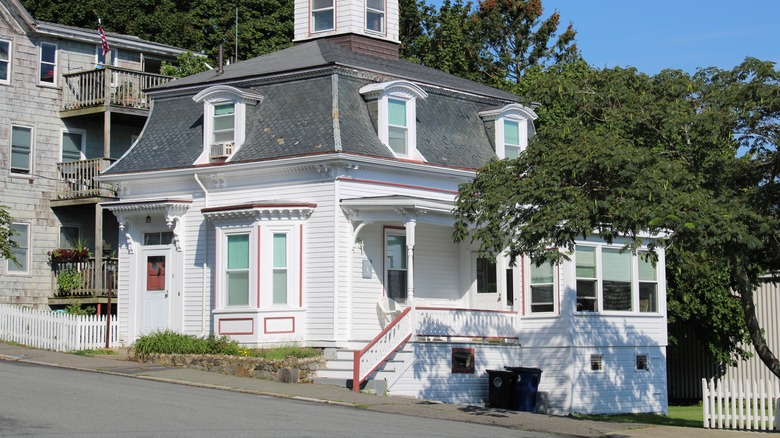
(112, 86)
(76, 179)
(368, 359)
(86, 274)
(447, 324)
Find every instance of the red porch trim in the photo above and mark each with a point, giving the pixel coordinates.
(358, 354)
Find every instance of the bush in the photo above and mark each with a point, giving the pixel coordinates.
(76, 309)
(169, 342)
(69, 280)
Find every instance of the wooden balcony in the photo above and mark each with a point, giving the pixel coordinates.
(86, 284)
(108, 88)
(76, 179)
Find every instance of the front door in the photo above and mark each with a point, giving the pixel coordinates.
(486, 288)
(155, 309)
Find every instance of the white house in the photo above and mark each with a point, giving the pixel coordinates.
(306, 196)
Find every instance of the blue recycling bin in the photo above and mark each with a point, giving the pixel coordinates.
(526, 388)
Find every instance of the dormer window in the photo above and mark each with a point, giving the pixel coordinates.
(513, 128)
(224, 121)
(397, 115)
(375, 15)
(322, 13)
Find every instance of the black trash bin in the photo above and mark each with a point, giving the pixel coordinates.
(526, 388)
(502, 386)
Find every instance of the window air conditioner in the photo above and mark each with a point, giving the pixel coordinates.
(221, 150)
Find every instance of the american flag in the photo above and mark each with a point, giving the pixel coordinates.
(103, 40)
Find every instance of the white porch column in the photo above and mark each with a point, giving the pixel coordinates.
(410, 238)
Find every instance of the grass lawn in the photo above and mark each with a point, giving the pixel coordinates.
(684, 416)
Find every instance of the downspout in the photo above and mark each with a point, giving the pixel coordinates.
(205, 300)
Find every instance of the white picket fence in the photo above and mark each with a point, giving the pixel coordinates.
(55, 331)
(745, 405)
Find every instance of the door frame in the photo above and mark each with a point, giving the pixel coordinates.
(157, 250)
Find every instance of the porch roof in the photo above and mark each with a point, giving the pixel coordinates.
(262, 209)
(396, 207)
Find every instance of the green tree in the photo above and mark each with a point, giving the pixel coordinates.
(6, 232)
(493, 42)
(620, 153)
(187, 64)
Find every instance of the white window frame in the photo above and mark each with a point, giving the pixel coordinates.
(398, 232)
(321, 10)
(514, 113)
(222, 268)
(9, 63)
(219, 95)
(528, 292)
(56, 65)
(634, 280)
(30, 155)
(381, 13)
(25, 248)
(267, 268)
(83, 148)
(406, 92)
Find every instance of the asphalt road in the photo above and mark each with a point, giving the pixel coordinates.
(43, 401)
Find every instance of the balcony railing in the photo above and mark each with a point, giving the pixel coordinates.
(76, 179)
(84, 278)
(108, 86)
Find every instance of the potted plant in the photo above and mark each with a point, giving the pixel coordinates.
(78, 254)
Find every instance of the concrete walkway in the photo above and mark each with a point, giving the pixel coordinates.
(120, 365)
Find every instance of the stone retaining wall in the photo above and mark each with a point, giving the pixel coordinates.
(289, 370)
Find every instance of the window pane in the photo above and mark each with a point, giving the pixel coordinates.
(616, 265)
(586, 262)
(397, 139)
(151, 239)
(222, 123)
(396, 252)
(238, 251)
(224, 136)
(617, 295)
(22, 240)
(69, 237)
(280, 286)
(396, 111)
(238, 288)
(396, 285)
(646, 270)
(486, 276)
(648, 297)
(511, 152)
(21, 143)
(374, 21)
(586, 296)
(541, 274)
(71, 146)
(323, 20)
(221, 110)
(280, 250)
(48, 53)
(4, 50)
(378, 5)
(511, 133)
(322, 4)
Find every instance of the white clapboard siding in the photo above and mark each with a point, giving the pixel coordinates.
(740, 404)
(53, 330)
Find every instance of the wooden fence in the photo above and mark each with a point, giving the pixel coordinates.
(745, 405)
(55, 331)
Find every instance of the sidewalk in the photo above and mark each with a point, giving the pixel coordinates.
(119, 365)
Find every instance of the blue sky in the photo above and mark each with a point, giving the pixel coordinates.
(683, 34)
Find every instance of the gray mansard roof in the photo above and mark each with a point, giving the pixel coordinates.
(295, 116)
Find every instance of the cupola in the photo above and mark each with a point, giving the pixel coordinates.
(364, 26)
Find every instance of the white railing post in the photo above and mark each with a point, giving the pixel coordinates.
(705, 403)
